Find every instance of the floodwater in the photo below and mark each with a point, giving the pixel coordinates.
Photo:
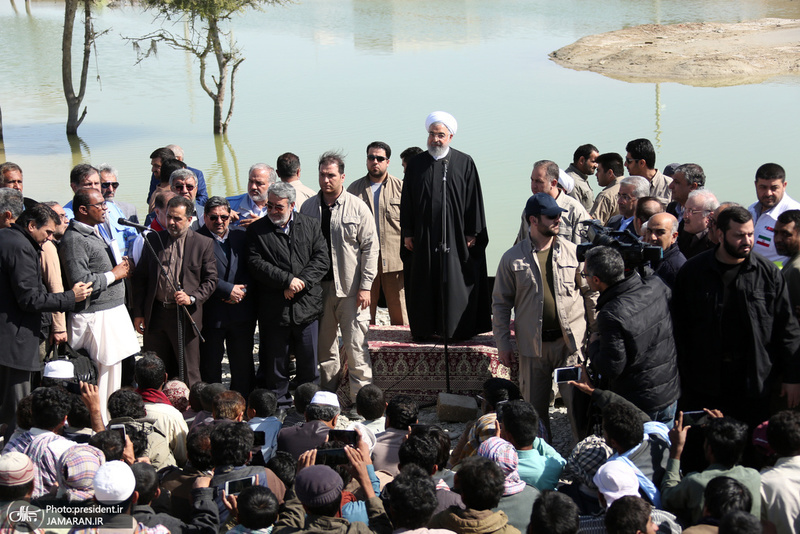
(337, 74)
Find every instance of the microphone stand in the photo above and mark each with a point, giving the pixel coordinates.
(176, 287)
(444, 251)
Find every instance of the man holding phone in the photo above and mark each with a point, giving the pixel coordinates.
(540, 278)
(634, 353)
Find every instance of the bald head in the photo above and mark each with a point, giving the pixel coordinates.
(662, 230)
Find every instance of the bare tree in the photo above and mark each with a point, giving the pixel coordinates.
(73, 100)
(208, 42)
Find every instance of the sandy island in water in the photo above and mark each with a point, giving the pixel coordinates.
(700, 54)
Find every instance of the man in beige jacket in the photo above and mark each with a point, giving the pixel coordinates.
(540, 278)
(381, 191)
(349, 229)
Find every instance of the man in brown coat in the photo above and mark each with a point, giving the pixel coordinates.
(381, 191)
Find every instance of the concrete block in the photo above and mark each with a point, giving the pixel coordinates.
(456, 408)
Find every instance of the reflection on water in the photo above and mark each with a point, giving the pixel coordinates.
(323, 75)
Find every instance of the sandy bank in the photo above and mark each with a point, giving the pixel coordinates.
(700, 54)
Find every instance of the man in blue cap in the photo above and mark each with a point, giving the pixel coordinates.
(540, 278)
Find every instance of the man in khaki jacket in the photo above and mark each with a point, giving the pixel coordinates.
(381, 191)
(540, 278)
(349, 229)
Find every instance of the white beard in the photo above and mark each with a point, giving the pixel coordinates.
(437, 151)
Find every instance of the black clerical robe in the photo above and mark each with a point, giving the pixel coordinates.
(467, 288)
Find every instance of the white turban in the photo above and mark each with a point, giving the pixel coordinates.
(445, 118)
(566, 181)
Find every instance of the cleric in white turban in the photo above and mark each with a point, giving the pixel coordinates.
(445, 118)
(466, 292)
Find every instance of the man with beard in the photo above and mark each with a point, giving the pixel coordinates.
(229, 315)
(466, 291)
(251, 206)
(772, 201)
(787, 243)
(288, 257)
(736, 334)
(584, 163)
(188, 259)
(540, 278)
(381, 191)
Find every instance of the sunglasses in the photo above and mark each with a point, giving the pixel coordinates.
(106, 185)
(379, 159)
(216, 218)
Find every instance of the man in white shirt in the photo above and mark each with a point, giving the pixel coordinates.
(772, 201)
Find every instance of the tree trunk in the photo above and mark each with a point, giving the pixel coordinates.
(220, 126)
(73, 100)
(1, 124)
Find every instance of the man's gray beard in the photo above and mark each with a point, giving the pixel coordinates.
(437, 151)
(259, 198)
(280, 222)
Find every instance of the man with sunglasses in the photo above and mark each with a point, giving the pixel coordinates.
(229, 315)
(109, 184)
(119, 238)
(540, 279)
(382, 191)
(183, 183)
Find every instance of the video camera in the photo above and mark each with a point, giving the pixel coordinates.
(634, 253)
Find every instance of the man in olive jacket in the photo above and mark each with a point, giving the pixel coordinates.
(288, 257)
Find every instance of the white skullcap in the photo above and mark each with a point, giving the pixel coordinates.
(59, 369)
(114, 482)
(443, 117)
(566, 181)
(326, 398)
(616, 479)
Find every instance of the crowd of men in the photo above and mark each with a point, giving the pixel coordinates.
(679, 304)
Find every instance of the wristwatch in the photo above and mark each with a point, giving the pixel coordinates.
(192, 299)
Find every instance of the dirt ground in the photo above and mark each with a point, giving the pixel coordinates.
(699, 54)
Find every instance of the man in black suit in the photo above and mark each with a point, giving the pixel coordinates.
(189, 260)
(229, 318)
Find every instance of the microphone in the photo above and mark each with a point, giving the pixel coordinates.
(126, 222)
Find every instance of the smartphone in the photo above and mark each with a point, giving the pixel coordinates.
(73, 387)
(332, 457)
(119, 429)
(235, 487)
(697, 417)
(349, 437)
(260, 438)
(566, 374)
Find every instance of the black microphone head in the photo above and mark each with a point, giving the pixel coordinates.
(122, 220)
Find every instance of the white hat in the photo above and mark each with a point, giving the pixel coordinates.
(59, 369)
(114, 482)
(445, 118)
(566, 181)
(616, 479)
(326, 398)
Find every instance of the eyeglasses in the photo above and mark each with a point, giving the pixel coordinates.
(628, 161)
(697, 211)
(625, 197)
(181, 187)
(106, 185)
(276, 207)
(437, 135)
(216, 218)
(379, 159)
(102, 205)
